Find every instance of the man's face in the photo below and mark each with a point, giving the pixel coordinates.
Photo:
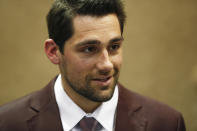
(92, 57)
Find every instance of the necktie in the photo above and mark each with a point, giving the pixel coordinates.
(89, 124)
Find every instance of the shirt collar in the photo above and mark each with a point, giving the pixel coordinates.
(71, 114)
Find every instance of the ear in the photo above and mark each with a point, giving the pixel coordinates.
(51, 50)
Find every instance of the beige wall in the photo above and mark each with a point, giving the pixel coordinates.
(160, 51)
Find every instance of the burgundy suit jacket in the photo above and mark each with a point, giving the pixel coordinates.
(39, 112)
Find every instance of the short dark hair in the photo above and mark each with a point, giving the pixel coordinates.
(62, 12)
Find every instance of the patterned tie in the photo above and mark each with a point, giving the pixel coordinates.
(89, 124)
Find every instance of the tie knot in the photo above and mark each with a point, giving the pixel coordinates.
(89, 124)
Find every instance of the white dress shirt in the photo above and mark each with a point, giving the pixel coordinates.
(71, 113)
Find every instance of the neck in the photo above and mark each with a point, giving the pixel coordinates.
(87, 105)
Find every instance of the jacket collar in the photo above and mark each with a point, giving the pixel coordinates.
(129, 112)
(44, 112)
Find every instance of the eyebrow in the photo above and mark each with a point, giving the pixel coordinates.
(117, 39)
(92, 42)
(88, 42)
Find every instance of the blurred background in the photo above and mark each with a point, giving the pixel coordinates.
(160, 51)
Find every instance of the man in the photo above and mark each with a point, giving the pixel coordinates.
(85, 41)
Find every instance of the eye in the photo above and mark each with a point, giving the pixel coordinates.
(90, 49)
(114, 47)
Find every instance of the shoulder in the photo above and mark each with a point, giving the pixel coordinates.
(16, 106)
(156, 113)
(150, 105)
(15, 114)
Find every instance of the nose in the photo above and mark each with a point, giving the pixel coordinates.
(104, 63)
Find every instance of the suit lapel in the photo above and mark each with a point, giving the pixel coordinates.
(129, 116)
(46, 120)
(44, 111)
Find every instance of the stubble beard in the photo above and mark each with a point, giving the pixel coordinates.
(85, 89)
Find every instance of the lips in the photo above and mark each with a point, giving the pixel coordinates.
(103, 81)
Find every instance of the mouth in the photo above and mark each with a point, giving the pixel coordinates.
(103, 81)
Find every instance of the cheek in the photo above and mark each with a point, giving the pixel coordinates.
(77, 65)
(117, 60)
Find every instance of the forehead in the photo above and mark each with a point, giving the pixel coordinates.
(93, 27)
(85, 22)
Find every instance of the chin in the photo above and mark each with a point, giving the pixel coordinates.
(102, 95)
